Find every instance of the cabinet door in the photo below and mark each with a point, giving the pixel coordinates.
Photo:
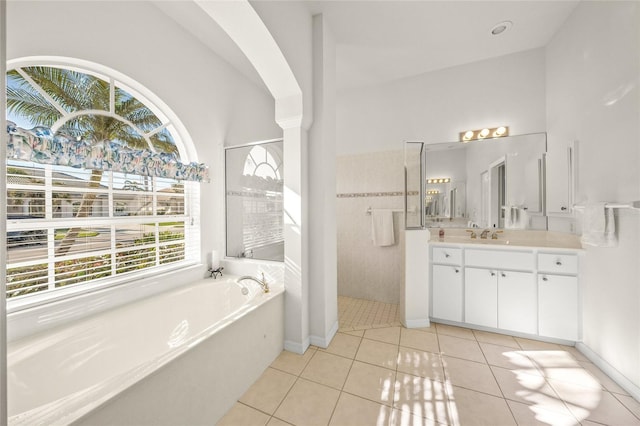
(558, 306)
(447, 292)
(481, 296)
(561, 175)
(517, 302)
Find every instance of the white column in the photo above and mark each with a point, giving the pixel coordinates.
(323, 280)
(296, 231)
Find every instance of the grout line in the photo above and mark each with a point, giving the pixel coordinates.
(345, 380)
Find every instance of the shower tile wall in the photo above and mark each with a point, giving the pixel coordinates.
(375, 180)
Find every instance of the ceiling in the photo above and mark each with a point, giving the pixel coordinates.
(379, 41)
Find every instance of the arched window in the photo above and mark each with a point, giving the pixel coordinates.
(264, 162)
(96, 183)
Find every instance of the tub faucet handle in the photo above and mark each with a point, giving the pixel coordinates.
(265, 285)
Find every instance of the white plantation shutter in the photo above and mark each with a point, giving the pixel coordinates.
(134, 223)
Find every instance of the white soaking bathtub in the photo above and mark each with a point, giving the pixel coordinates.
(181, 357)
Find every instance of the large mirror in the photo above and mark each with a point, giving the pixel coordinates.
(487, 183)
(254, 204)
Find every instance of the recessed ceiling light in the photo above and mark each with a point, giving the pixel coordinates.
(501, 27)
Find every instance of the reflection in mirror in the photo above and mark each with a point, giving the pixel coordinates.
(254, 204)
(489, 183)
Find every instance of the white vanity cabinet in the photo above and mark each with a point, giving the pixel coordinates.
(447, 291)
(524, 291)
(560, 168)
(481, 297)
(446, 274)
(511, 297)
(558, 295)
(517, 302)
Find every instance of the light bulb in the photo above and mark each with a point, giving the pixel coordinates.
(499, 131)
(483, 133)
(468, 135)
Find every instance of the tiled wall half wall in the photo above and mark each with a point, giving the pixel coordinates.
(369, 180)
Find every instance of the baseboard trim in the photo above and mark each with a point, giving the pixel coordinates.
(609, 370)
(296, 347)
(323, 342)
(417, 323)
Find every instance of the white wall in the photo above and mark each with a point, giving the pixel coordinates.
(435, 106)
(593, 70)
(216, 104)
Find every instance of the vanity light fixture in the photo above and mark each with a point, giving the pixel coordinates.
(433, 192)
(499, 132)
(486, 133)
(439, 180)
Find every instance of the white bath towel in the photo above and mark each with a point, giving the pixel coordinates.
(382, 227)
(598, 226)
(515, 217)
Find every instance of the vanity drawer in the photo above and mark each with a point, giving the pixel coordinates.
(447, 255)
(558, 263)
(500, 259)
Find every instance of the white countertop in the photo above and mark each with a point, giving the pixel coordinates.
(508, 239)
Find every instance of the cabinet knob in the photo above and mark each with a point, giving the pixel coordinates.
(563, 208)
(457, 270)
(545, 279)
(503, 275)
(493, 274)
(446, 255)
(559, 263)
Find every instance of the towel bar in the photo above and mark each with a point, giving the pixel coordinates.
(412, 210)
(633, 206)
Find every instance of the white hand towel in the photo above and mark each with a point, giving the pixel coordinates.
(382, 227)
(523, 219)
(508, 218)
(598, 226)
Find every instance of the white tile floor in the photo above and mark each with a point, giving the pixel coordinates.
(390, 375)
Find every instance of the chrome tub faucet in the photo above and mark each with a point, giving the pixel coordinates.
(263, 282)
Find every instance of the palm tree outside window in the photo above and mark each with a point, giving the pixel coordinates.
(72, 226)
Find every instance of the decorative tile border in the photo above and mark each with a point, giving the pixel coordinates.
(375, 194)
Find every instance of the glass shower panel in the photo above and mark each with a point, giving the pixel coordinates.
(254, 202)
(414, 162)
